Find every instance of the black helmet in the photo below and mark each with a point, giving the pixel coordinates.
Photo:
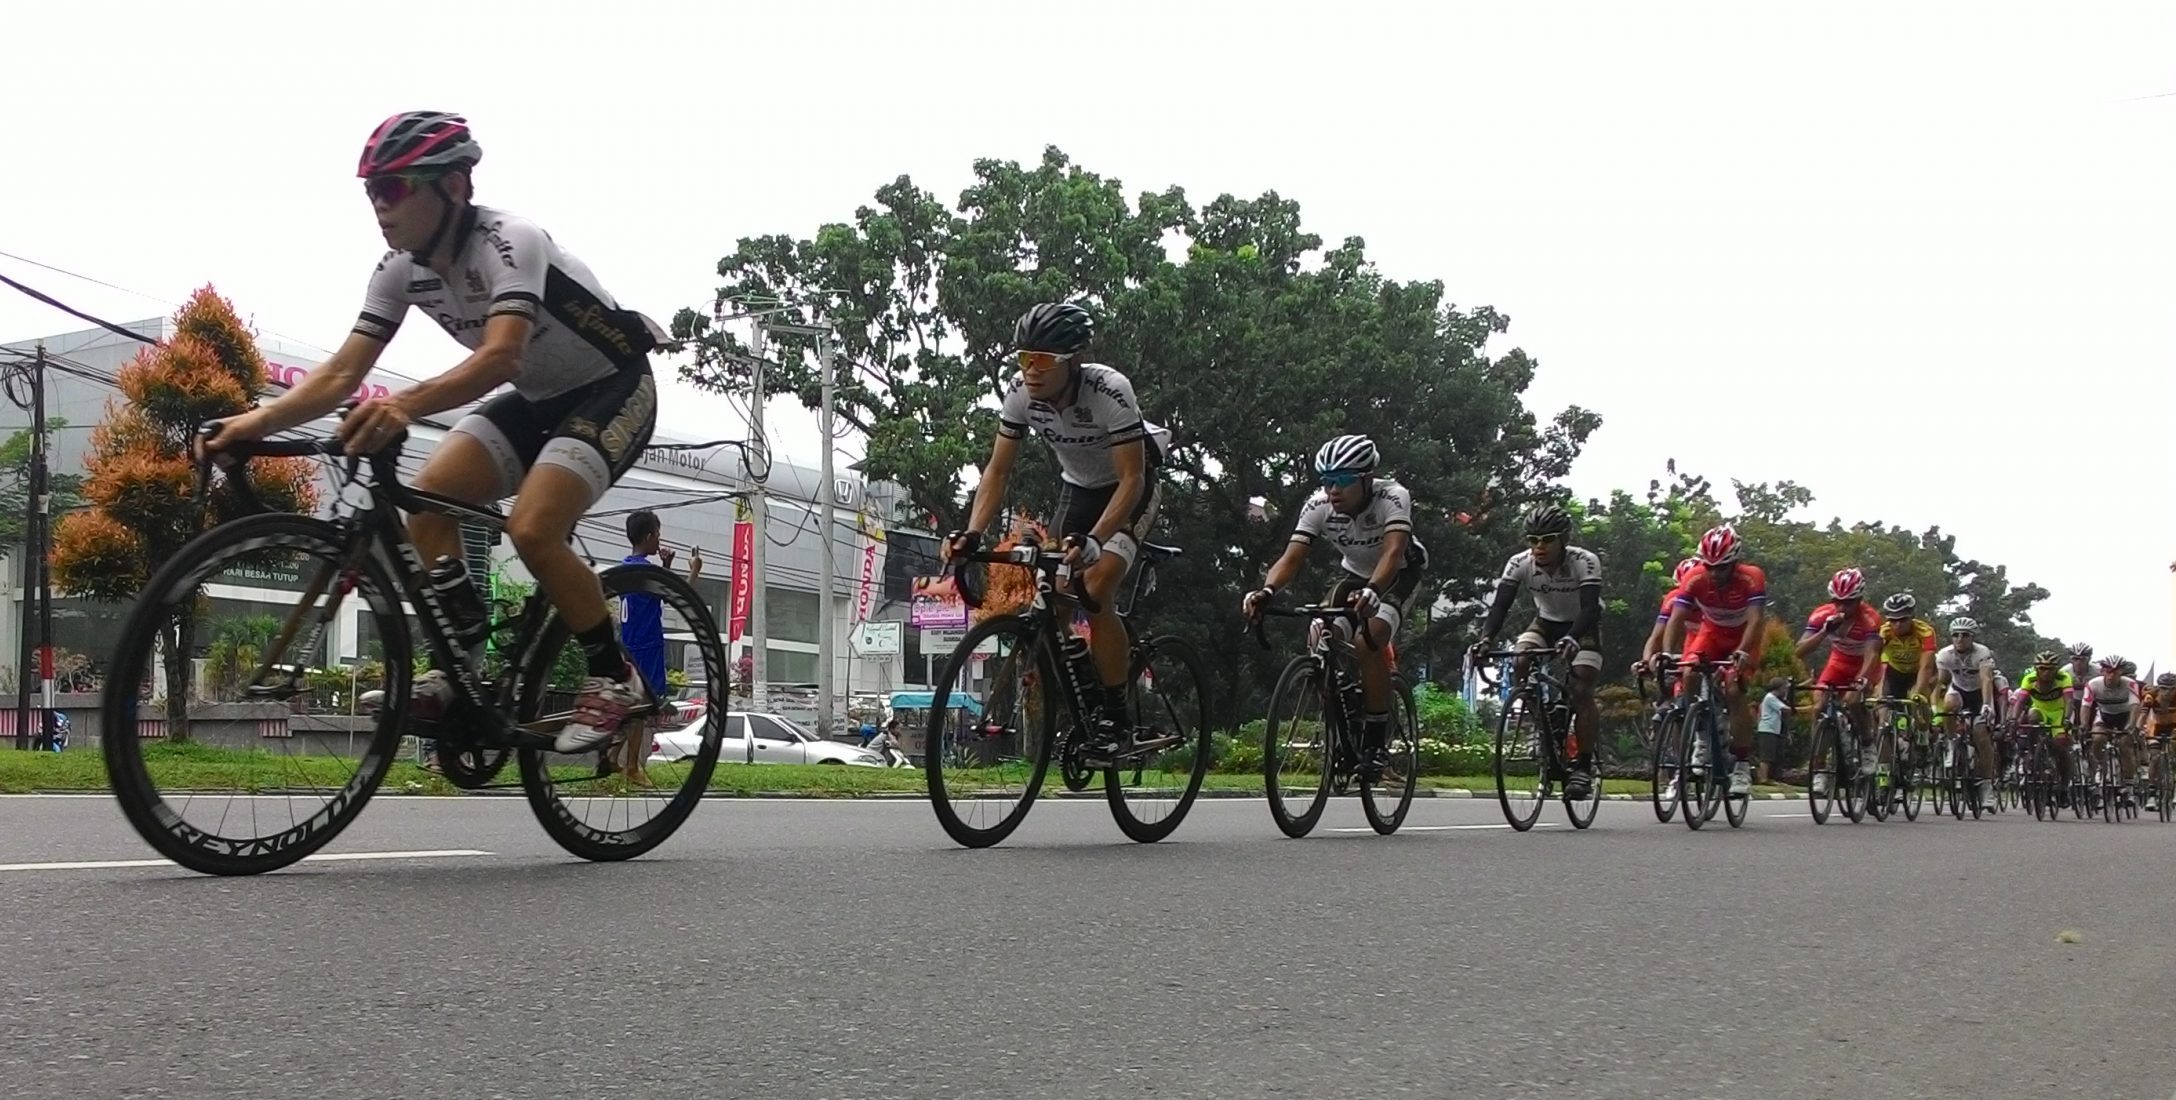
(1548, 519)
(1061, 327)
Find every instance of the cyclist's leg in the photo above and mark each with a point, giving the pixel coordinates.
(468, 469)
(1373, 657)
(602, 433)
(1108, 644)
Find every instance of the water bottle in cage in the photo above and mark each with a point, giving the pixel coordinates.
(471, 621)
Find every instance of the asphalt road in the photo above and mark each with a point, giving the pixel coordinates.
(847, 950)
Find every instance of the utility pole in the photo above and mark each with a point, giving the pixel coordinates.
(827, 618)
(826, 607)
(759, 633)
(35, 578)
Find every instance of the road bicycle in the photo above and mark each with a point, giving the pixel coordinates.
(237, 775)
(1037, 679)
(1533, 757)
(1311, 743)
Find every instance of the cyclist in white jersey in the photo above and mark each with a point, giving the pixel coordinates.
(2109, 708)
(1566, 582)
(1370, 521)
(1107, 459)
(1970, 667)
(583, 401)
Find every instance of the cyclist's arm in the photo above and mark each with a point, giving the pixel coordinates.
(323, 389)
(1755, 621)
(1673, 631)
(1590, 610)
(1810, 641)
(990, 491)
(1925, 687)
(1287, 565)
(1393, 559)
(1131, 461)
(1499, 608)
(1655, 636)
(490, 366)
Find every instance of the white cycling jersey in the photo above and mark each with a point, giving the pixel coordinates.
(2113, 697)
(1102, 414)
(1359, 537)
(507, 265)
(1963, 669)
(1556, 590)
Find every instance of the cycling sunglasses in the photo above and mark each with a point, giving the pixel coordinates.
(1037, 360)
(390, 190)
(1339, 479)
(1543, 540)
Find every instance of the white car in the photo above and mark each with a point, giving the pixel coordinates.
(776, 741)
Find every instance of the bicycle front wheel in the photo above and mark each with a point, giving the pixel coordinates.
(1523, 782)
(1822, 771)
(1297, 743)
(1662, 768)
(238, 770)
(985, 760)
(1151, 788)
(1386, 801)
(626, 796)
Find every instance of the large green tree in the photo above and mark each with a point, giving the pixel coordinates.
(1240, 331)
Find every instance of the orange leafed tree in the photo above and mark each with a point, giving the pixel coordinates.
(140, 476)
(1010, 588)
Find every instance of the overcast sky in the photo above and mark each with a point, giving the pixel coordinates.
(1915, 257)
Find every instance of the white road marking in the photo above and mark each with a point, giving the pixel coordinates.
(322, 857)
(1447, 828)
(1786, 815)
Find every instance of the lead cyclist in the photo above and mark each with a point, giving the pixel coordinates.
(582, 407)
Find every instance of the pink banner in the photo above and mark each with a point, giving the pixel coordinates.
(744, 579)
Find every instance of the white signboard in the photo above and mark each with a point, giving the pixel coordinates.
(879, 639)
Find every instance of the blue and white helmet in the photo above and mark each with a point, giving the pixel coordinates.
(1347, 454)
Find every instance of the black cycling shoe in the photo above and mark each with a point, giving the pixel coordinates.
(1578, 784)
(1105, 741)
(1372, 765)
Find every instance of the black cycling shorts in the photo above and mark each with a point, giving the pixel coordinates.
(597, 430)
(1898, 685)
(1079, 508)
(1392, 605)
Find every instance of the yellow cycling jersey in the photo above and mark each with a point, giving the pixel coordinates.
(2048, 692)
(1903, 647)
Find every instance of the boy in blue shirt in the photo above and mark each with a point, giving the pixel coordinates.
(642, 623)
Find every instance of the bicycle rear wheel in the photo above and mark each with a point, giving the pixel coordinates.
(627, 795)
(1662, 768)
(985, 767)
(1385, 803)
(1151, 789)
(1522, 764)
(1298, 741)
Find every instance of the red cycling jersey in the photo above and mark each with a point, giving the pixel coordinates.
(1723, 608)
(1851, 648)
(1693, 618)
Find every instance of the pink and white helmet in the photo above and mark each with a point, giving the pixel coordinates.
(1846, 584)
(1719, 546)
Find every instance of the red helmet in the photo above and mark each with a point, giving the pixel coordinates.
(419, 141)
(1846, 584)
(1719, 546)
(1684, 570)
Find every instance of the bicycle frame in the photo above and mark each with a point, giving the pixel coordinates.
(374, 528)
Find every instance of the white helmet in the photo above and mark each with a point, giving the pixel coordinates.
(1347, 454)
(1963, 624)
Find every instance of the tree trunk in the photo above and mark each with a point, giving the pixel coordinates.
(180, 642)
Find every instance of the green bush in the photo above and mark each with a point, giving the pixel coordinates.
(1444, 717)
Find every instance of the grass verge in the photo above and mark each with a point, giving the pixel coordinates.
(176, 767)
